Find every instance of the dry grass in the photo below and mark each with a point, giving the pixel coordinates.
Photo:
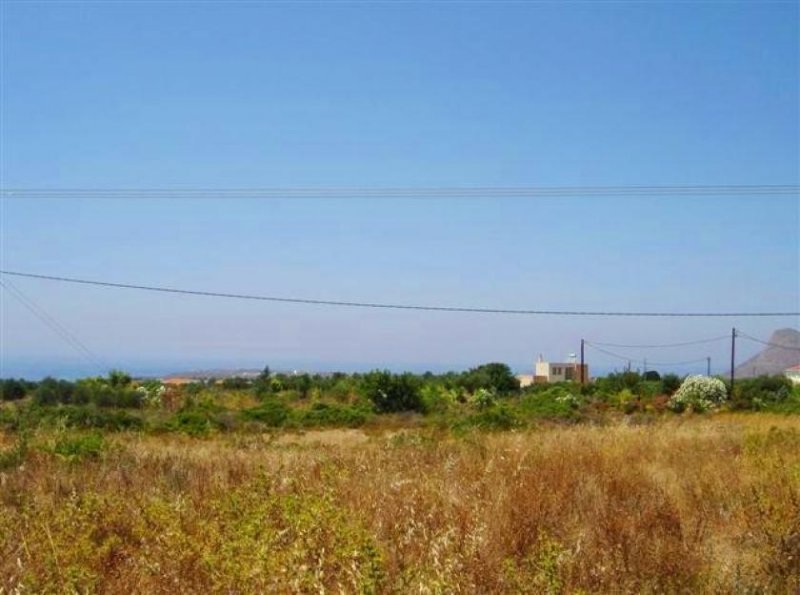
(687, 505)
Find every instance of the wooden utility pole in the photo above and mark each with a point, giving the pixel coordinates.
(708, 366)
(583, 379)
(733, 356)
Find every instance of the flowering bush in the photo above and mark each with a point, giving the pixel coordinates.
(152, 393)
(484, 398)
(698, 393)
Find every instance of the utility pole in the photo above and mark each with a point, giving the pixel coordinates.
(645, 366)
(733, 356)
(708, 366)
(583, 379)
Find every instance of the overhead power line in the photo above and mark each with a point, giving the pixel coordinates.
(660, 345)
(409, 192)
(376, 305)
(645, 362)
(53, 324)
(779, 346)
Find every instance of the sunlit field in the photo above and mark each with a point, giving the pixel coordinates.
(692, 503)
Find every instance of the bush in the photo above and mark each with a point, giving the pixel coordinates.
(77, 447)
(81, 416)
(12, 390)
(270, 413)
(196, 419)
(670, 383)
(495, 377)
(698, 393)
(236, 382)
(52, 392)
(556, 402)
(392, 392)
(761, 392)
(323, 414)
(493, 418)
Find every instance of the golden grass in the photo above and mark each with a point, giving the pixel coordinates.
(706, 504)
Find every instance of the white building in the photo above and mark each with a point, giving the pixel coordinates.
(793, 374)
(545, 372)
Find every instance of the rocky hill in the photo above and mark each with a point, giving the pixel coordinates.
(773, 359)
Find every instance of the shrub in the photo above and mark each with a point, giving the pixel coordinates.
(698, 393)
(670, 383)
(52, 392)
(484, 398)
(437, 399)
(760, 392)
(500, 417)
(495, 377)
(77, 447)
(392, 392)
(236, 382)
(323, 414)
(270, 413)
(12, 390)
(196, 419)
(556, 402)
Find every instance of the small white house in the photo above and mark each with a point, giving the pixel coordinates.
(559, 371)
(793, 374)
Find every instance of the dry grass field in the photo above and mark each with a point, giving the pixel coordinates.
(688, 504)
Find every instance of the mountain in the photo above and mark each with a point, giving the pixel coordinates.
(773, 359)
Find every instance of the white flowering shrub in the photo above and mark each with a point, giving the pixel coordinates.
(152, 392)
(698, 393)
(484, 398)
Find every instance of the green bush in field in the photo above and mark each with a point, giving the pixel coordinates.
(500, 417)
(196, 419)
(271, 413)
(323, 414)
(554, 402)
(789, 405)
(80, 446)
(392, 392)
(495, 377)
(12, 389)
(761, 392)
(437, 398)
(670, 383)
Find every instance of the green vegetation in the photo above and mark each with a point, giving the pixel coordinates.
(486, 397)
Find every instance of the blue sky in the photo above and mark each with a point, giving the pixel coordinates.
(179, 95)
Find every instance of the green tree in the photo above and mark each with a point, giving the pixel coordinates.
(392, 392)
(12, 390)
(119, 379)
(494, 376)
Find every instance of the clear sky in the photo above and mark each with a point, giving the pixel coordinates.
(226, 95)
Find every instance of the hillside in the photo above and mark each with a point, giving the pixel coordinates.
(772, 359)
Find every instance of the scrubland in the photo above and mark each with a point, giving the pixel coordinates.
(690, 503)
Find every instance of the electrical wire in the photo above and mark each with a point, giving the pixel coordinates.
(409, 192)
(417, 307)
(53, 325)
(646, 362)
(654, 346)
(746, 336)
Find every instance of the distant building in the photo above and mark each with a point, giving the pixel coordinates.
(546, 372)
(793, 374)
(525, 379)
